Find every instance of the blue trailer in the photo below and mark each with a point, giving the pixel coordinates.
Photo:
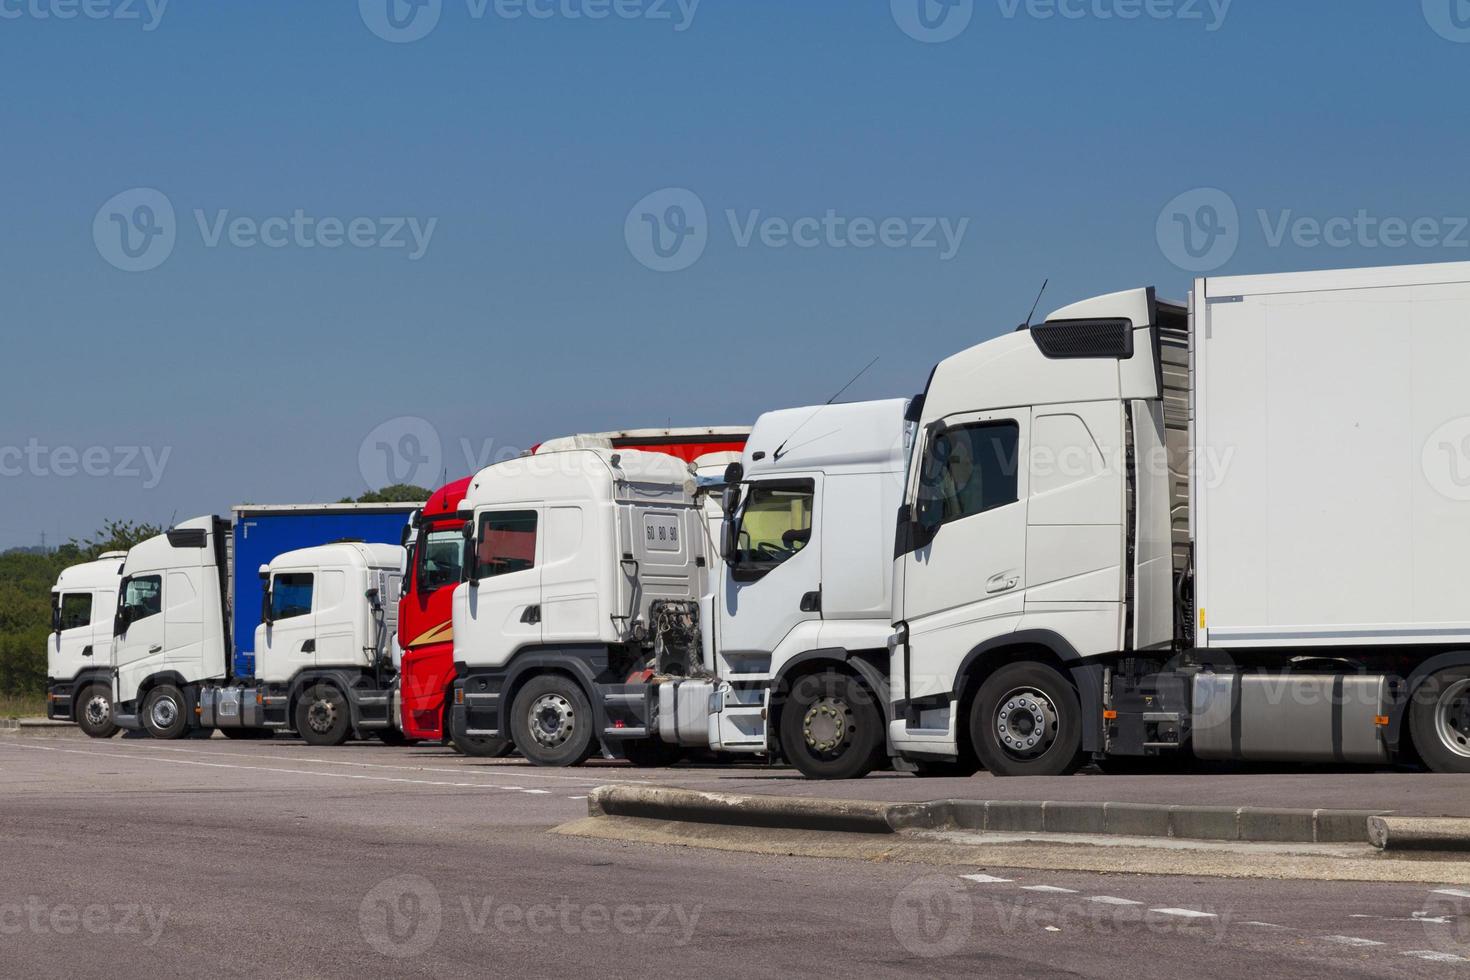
(259, 534)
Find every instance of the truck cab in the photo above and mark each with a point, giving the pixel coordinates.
(79, 650)
(602, 614)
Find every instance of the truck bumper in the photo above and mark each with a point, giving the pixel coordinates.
(477, 709)
(59, 695)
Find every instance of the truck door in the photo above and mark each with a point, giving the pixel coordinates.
(139, 645)
(964, 575)
(773, 582)
(288, 640)
(503, 611)
(73, 643)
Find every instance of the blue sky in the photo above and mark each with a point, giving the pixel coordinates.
(1048, 140)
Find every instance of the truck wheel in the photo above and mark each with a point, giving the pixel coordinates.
(831, 728)
(1027, 721)
(1439, 719)
(551, 722)
(94, 712)
(164, 712)
(322, 716)
(481, 746)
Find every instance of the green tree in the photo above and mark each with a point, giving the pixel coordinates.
(398, 493)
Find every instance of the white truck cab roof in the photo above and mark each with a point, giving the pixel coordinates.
(582, 474)
(339, 554)
(101, 573)
(862, 437)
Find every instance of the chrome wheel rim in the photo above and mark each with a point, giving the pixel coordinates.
(97, 710)
(552, 720)
(164, 713)
(1452, 717)
(322, 715)
(1026, 723)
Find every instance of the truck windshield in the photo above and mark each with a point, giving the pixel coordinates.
(440, 559)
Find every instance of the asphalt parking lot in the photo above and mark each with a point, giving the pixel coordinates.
(139, 858)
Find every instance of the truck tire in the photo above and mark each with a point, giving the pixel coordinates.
(1027, 721)
(1439, 720)
(93, 709)
(551, 722)
(323, 716)
(165, 712)
(481, 746)
(832, 728)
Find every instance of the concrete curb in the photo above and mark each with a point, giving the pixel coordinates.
(33, 724)
(784, 812)
(1257, 824)
(1419, 833)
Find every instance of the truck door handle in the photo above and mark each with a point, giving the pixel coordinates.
(156, 648)
(812, 602)
(1004, 582)
(309, 646)
(531, 616)
(86, 651)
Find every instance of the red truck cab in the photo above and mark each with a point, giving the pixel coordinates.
(436, 557)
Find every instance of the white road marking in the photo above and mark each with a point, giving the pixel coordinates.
(986, 879)
(1352, 941)
(122, 749)
(1185, 913)
(1111, 900)
(541, 791)
(1452, 892)
(576, 797)
(1053, 889)
(1265, 925)
(1435, 956)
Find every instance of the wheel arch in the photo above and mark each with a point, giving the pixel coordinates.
(863, 665)
(1031, 646)
(1399, 730)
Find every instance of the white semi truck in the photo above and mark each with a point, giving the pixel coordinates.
(600, 618)
(78, 656)
(1234, 528)
(323, 663)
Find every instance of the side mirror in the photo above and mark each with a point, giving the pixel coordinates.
(471, 556)
(730, 499)
(406, 536)
(374, 601)
(267, 614)
(729, 546)
(56, 614)
(122, 620)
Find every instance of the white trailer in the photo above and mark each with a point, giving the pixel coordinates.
(600, 616)
(323, 656)
(79, 653)
(1233, 529)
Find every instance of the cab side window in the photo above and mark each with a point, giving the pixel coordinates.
(775, 525)
(291, 595)
(143, 597)
(968, 470)
(507, 543)
(440, 559)
(76, 610)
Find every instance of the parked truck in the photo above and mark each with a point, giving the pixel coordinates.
(1231, 528)
(319, 617)
(78, 655)
(436, 549)
(598, 617)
